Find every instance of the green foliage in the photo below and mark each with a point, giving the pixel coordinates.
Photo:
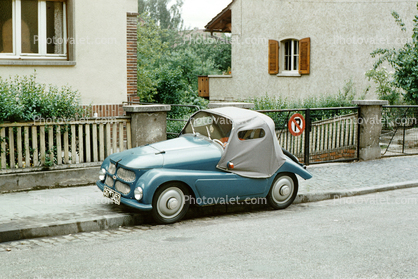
(23, 99)
(150, 50)
(344, 98)
(170, 61)
(165, 17)
(216, 49)
(385, 85)
(404, 61)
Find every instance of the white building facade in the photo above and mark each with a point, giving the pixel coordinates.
(88, 45)
(296, 49)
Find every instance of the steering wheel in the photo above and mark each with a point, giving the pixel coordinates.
(219, 142)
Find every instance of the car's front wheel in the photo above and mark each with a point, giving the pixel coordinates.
(170, 204)
(283, 191)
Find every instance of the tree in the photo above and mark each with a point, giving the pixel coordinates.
(150, 50)
(164, 16)
(404, 62)
(169, 63)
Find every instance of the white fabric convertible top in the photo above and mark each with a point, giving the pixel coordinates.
(255, 158)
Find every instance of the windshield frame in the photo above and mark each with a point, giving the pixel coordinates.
(218, 127)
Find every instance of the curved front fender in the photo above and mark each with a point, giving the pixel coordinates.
(290, 166)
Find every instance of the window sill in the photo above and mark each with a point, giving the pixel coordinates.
(36, 63)
(289, 74)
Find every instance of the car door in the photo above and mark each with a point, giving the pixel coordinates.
(229, 185)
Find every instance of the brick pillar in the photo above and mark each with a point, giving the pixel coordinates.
(370, 122)
(131, 62)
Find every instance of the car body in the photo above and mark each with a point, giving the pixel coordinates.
(225, 155)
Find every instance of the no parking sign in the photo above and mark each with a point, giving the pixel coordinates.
(296, 124)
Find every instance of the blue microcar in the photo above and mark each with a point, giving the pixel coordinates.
(227, 155)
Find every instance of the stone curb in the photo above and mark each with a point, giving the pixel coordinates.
(303, 198)
(10, 232)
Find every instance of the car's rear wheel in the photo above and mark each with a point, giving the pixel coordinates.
(170, 204)
(283, 191)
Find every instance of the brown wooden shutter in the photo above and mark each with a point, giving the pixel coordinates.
(273, 57)
(203, 86)
(304, 56)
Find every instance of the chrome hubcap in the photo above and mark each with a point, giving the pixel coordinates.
(170, 202)
(283, 189)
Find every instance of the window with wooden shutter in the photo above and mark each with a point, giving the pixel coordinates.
(304, 56)
(273, 57)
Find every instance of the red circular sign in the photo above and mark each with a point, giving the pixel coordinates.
(296, 124)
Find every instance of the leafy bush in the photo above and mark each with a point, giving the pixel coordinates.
(23, 99)
(344, 98)
(405, 63)
(385, 86)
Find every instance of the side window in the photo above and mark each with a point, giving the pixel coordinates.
(251, 134)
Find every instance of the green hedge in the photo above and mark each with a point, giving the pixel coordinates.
(24, 99)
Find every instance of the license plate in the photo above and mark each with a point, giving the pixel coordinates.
(112, 195)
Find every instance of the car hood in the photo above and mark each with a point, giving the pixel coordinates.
(185, 152)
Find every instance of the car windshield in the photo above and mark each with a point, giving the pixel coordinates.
(210, 125)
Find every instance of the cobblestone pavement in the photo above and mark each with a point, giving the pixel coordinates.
(348, 176)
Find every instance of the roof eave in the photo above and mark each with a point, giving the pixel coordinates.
(210, 27)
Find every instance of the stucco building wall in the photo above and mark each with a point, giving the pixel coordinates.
(100, 53)
(343, 34)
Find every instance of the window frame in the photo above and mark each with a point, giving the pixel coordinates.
(292, 55)
(42, 33)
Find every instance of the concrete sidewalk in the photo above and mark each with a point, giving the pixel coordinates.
(71, 210)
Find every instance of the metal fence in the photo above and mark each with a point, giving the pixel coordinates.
(331, 134)
(399, 130)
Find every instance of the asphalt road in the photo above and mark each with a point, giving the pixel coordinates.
(372, 236)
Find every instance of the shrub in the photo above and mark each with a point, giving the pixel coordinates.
(23, 99)
(385, 85)
(404, 61)
(343, 98)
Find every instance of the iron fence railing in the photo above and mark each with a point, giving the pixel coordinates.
(331, 134)
(399, 130)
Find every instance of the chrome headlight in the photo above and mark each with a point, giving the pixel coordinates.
(102, 174)
(126, 175)
(112, 168)
(138, 193)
